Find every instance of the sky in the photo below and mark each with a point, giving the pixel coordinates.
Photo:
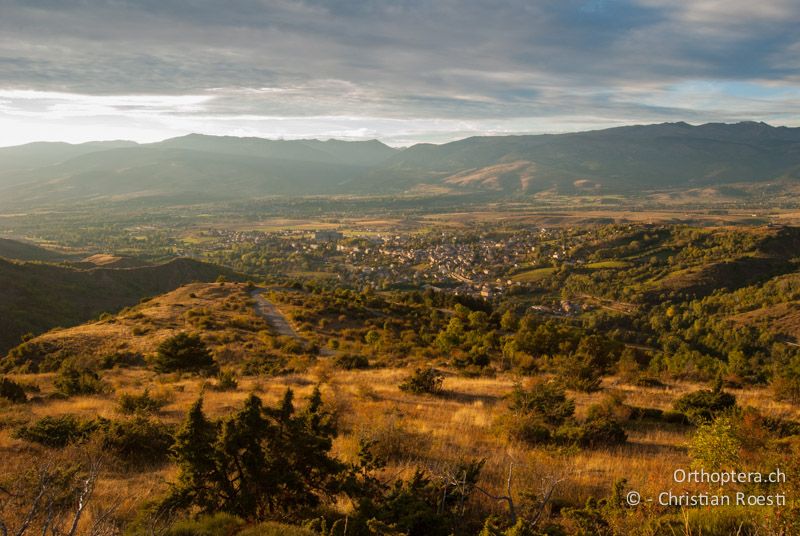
(396, 70)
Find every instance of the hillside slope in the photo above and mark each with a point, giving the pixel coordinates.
(37, 297)
(223, 313)
(617, 159)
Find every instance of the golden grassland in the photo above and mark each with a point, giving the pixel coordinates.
(431, 432)
(413, 430)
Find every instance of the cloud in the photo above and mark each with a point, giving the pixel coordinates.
(408, 69)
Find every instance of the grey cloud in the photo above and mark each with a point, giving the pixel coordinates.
(408, 58)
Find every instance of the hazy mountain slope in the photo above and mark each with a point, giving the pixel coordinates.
(194, 167)
(351, 153)
(364, 153)
(639, 157)
(43, 154)
(37, 297)
(149, 171)
(624, 159)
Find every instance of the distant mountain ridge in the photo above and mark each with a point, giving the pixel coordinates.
(621, 159)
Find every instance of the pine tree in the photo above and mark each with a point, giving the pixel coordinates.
(260, 463)
(194, 453)
(183, 352)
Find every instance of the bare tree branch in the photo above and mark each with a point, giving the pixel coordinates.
(43, 485)
(507, 498)
(85, 495)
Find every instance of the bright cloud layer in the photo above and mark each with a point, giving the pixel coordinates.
(399, 71)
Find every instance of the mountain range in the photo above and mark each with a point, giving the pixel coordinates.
(623, 159)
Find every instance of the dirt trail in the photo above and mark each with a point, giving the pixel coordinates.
(274, 317)
(278, 321)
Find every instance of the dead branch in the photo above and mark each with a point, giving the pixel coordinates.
(507, 498)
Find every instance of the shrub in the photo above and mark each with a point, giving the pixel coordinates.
(715, 446)
(781, 427)
(292, 346)
(579, 375)
(649, 381)
(144, 404)
(139, 440)
(183, 352)
(647, 414)
(593, 433)
(121, 359)
(269, 365)
(705, 404)
(424, 381)
(528, 429)
(786, 389)
(545, 400)
(351, 361)
(226, 381)
(11, 390)
(30, 356)
(72, 380)
(59, 431)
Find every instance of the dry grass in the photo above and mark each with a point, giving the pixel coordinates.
(419, 431)
(142, 328)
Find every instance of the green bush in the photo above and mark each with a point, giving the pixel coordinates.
(351, 361)
(138, 441)
(183, 352)
(292, 346)
(121, 359)
(59, 431)
(72, 380)
(781, 427)
(11, 390)
(592, 433)
(144, 404)
(528, 429)
(30, 356)
(424, 381)
(579, 373)
(226, 381)
(647, 414)
(650, 382)
(545, 400)
(705, 404)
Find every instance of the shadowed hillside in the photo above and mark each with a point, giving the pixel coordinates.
(37, 297)
(23, 251)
